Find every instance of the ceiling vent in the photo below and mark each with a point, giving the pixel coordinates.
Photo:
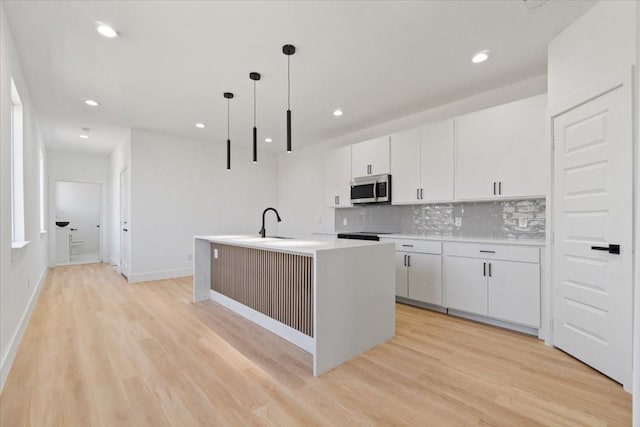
(535, 4)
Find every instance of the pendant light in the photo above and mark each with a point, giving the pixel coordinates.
(229, 97)
(288, 49)
(255, 77)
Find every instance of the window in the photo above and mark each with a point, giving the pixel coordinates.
(17, 170)
(43, 222)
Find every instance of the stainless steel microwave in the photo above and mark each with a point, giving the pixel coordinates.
(371, 189)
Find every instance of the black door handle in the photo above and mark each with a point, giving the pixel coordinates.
(124, 229)
(612, 249)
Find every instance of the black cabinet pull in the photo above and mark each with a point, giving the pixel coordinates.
(422, 194)
(484, 268)
(490, 270)
(125, 229)
(418, 193)
(407, 246)
(500, 187)
(494, 188)
(405, 260)
(612, 249)
(487, 252)
(408, 260)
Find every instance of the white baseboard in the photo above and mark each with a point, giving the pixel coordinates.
(7, 362)
(495, 322)
(159, 275)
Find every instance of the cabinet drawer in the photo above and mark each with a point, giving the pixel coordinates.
(419, 246)
(493, 251)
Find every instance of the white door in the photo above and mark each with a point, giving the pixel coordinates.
(401, 275)
(593, 209)
(337, 174)
(466, 284)
(124, 223)
(405, 167)
(425, 278)
(437, 147)
(514, 292)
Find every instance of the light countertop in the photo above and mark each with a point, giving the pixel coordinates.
(488, 240)
(299, 244)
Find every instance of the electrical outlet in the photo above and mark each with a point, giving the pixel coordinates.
(344, 221)
(522, 222)
(458, 221)
(215, 253)
(190, 257)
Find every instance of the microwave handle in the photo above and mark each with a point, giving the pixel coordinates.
(375, 190)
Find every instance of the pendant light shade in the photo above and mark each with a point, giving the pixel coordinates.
(255, 77)
(229, 97)
(288, 49)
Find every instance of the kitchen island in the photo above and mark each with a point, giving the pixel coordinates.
(333, 298)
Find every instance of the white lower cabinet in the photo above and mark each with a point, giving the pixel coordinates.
(514, 292)
(418, 270)
(466, 285)
(402, 275)
(425, 277)
(484, 285)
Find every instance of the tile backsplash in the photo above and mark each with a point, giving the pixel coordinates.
(518, 219)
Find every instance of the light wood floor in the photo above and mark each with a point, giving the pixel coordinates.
(101, 352)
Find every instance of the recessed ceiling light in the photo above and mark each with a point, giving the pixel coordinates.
(268, 140)
(91, 102)
(480, 57)
(107, 30)
(337, 112)
(83, 136)
(200, 125)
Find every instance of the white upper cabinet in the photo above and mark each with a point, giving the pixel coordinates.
(405, 167)
(370, 157)
(422, 164)
(337, 178)
(503, 151)
(437, 151)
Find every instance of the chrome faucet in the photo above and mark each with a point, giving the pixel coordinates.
(263, 232)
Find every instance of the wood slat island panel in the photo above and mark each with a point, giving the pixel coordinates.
(276, 284)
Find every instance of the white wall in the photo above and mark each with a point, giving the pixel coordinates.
(119, 161)
(21, 270)
(78, 167)
(80, 204)
(301, 173)
(181, 188)
(599, 43)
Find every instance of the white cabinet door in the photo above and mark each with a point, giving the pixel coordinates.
(502, 151)
(401, 275)
(514, 292)
(370, 157)
(465, 284)
(522, 148)
(425, 278)
(437, 159)
(337, 175)
(405, 167)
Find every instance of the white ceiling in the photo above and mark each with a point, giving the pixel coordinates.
(377, 60)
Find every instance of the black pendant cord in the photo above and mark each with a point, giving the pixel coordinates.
(255, 77)
(288, 103)
(228, 134)
(288, 50)
(228, 96)
(255, 129)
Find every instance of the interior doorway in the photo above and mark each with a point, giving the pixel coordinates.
(78, 221)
